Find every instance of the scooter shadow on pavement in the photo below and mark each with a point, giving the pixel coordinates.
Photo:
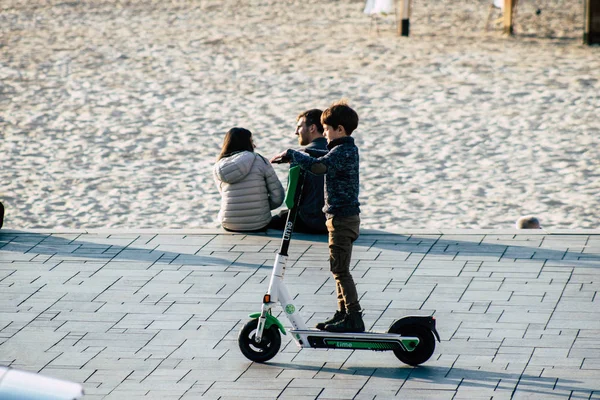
(452, 376)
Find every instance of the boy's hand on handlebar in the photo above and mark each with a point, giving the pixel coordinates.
(280, 158)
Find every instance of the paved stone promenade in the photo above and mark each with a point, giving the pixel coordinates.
(132, 314)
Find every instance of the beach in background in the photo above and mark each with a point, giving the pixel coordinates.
(112, 112)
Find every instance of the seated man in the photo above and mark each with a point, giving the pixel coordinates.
(310, 217)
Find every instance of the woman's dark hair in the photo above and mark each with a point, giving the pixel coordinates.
(236, 140)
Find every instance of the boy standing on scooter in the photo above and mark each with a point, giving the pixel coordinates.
(340, 167)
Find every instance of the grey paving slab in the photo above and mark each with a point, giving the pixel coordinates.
(134, 314)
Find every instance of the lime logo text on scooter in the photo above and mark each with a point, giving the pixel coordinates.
(290, 309)
(288, 231)
(344, 344)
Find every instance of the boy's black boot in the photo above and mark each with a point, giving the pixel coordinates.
(338, 316)
(352, 322)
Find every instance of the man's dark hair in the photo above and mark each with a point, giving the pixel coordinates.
(312, 117)
(340, 114)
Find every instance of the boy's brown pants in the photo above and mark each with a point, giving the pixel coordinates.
(343, 231)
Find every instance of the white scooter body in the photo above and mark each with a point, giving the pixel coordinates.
(305, 337)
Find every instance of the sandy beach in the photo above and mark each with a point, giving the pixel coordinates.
(112, 112)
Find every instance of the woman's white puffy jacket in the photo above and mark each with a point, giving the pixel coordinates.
(249, 191)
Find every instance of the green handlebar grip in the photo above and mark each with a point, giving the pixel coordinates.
(293, 177)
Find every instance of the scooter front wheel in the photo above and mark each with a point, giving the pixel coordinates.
(259, 351)
(424, 349)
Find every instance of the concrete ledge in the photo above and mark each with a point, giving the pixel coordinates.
(218, 231)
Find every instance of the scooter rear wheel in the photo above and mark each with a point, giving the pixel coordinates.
(265, 349)
(424, 349)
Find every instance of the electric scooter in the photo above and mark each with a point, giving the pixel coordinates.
(411, 338)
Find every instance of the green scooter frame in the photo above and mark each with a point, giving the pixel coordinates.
(411, 338)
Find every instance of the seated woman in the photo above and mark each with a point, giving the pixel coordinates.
(248, 184)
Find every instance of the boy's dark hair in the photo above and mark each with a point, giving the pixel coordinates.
(339, 113)
(312, 117)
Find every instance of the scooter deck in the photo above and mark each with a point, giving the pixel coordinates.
(355, 335)
(351, 340)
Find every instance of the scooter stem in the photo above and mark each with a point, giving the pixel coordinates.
(277, 273)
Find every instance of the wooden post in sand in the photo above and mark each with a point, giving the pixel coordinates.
(404, 25)
(591, 22)
(508, 16)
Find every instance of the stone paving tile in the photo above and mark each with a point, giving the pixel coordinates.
(156, 315)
